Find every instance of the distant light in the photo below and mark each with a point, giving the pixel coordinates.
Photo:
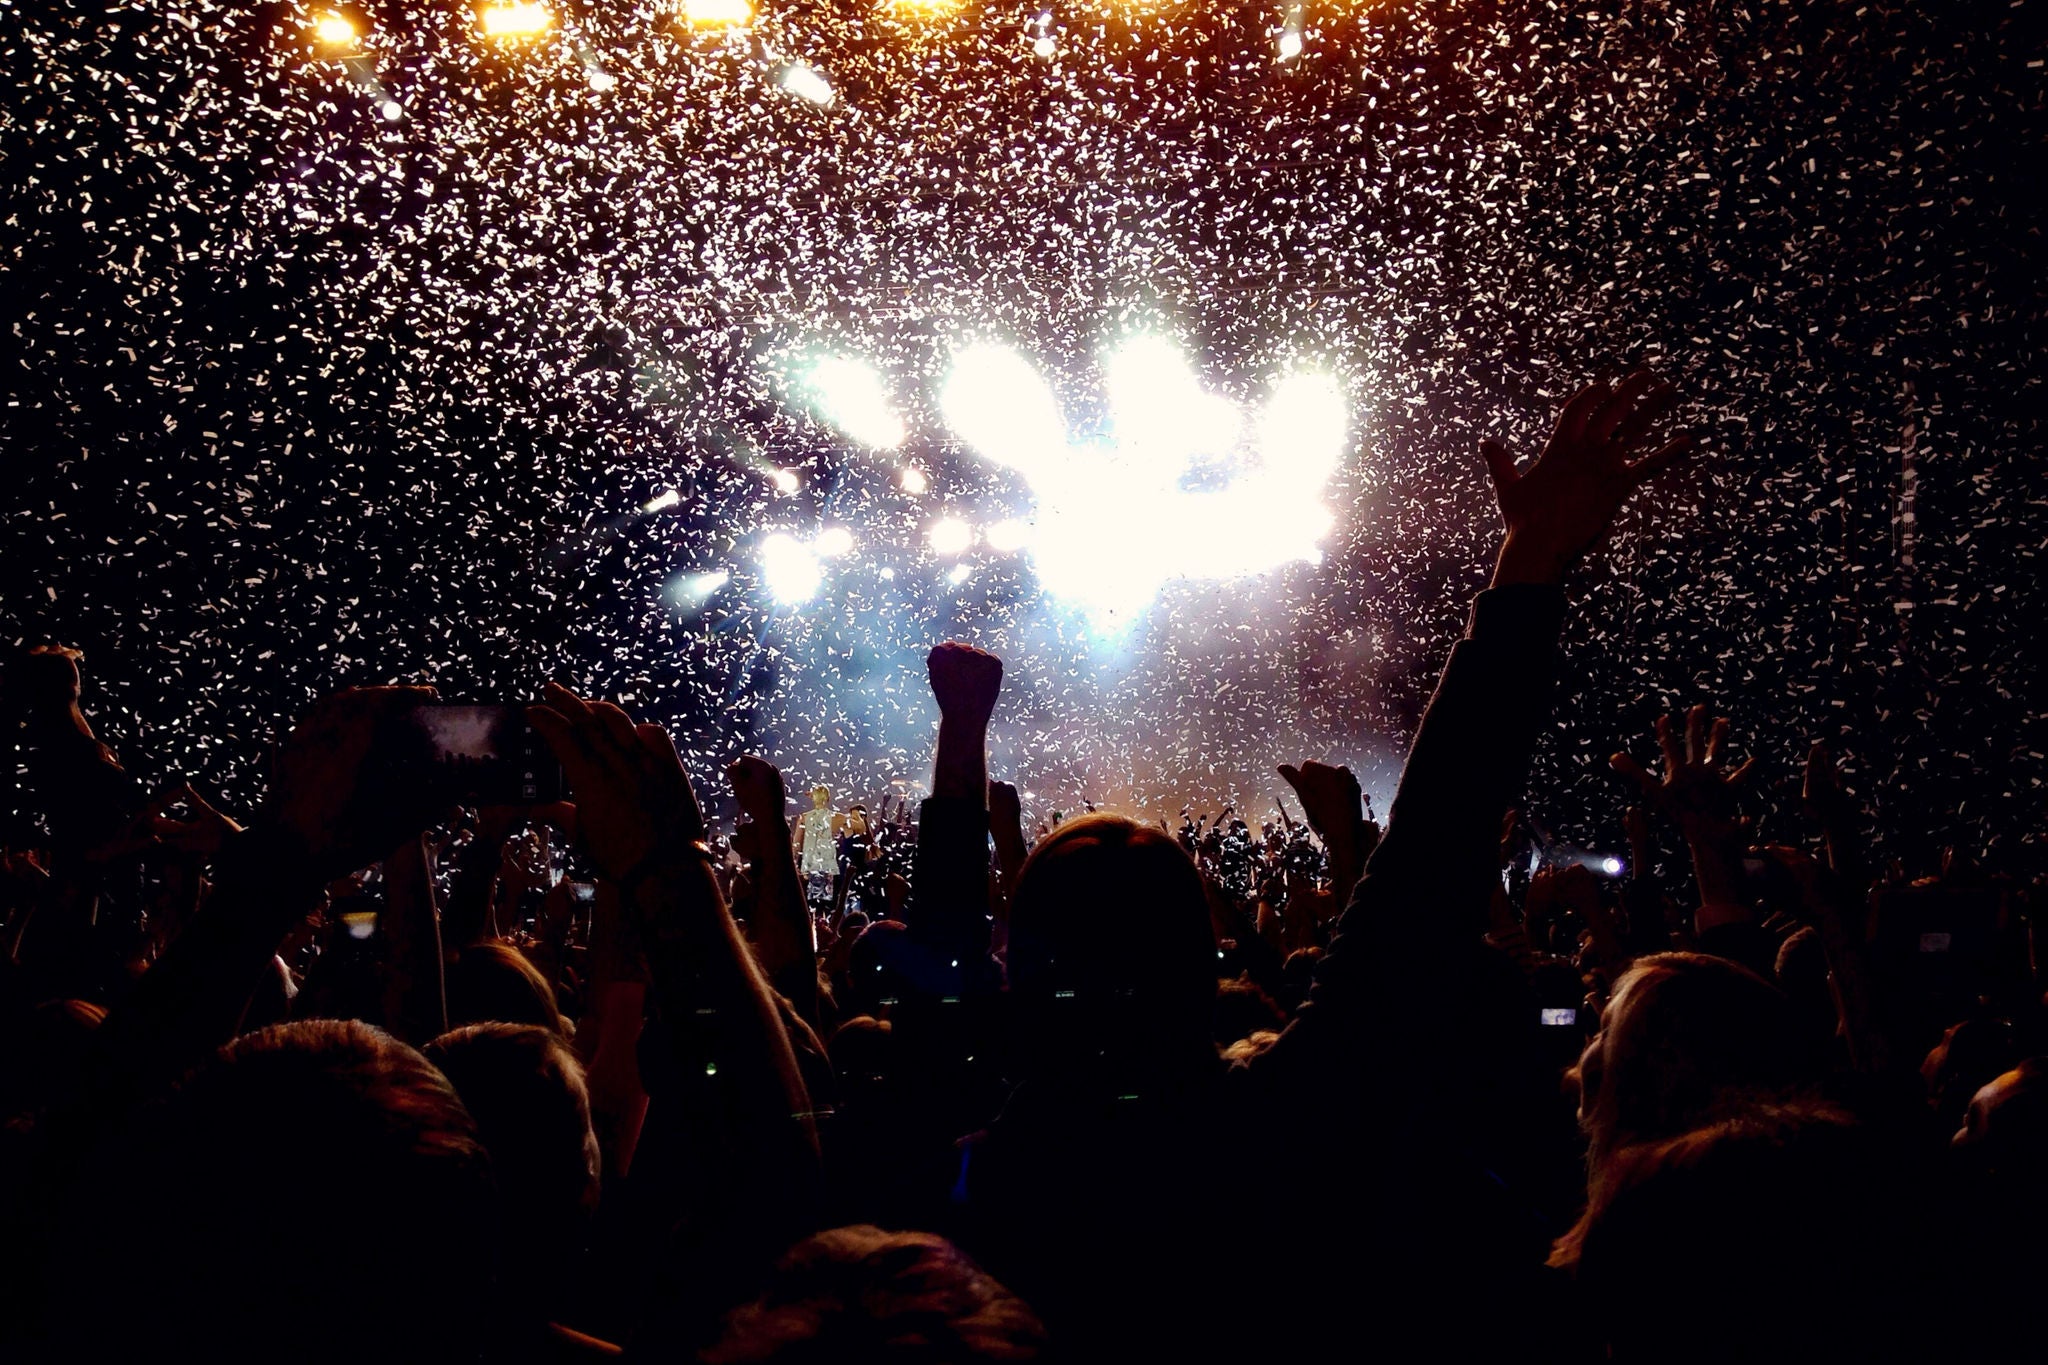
(913, 480)
(335, 30)
(392, 111)
(790, 570)
(717, 13)
(602, 80)
(785, 480)
(888, 573)
(851, 395)
(950, 536)
(1611, 865)
(806, 83)
(516, 19)
(1290, 44)
(958, 574)
(833, 542)
(1044, 47)
(694, 590)
(1008, 535)
(662, 501)
(923, 9)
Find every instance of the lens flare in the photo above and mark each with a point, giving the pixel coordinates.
(851, 395)
(806, 83)
(520, 19)
(789, 570)
(950, 536)
(833, 541)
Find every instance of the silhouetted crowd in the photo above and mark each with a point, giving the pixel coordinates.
(381, 1075)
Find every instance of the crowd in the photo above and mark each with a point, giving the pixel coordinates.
(368, 1079)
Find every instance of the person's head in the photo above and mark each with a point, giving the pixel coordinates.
(1970, 1056)
(1768, 1234)
(859, 1293)
(1111, 948)
(2005, 1129)
(494, 983)
(1683, 1034)
(525, 1089)
(315, 1192)
(821, 797)
(1243, 1009)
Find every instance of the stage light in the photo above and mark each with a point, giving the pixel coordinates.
(517, 19)
(1611, 865)
(959, 574)
(806, 83)
(717, 13)
(1303, 429)
(995, 402)
(833, 542)
(950, 536)
(335, 30)
(785, 480)
(662, 501)
(923, 9)
(1040, 29)
(913, 480)
(1290, 35)
(1008, 535)
(392, 111)
(694, 590)
(790, 571)
(851, 396)
(1044, 47)
(602, 80)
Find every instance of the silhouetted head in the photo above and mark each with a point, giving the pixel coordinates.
(526, 1091)
(315, 1192)
(1110, 946)
(859, 1293)
(494, 983)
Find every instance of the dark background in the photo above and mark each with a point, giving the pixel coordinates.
(297, 398)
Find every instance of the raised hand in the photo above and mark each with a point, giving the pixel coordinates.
(1701, 797)
(965, 680)
(1329, 796)
(328, 793)
(757, 785)
(633, 799)
(1561, 507)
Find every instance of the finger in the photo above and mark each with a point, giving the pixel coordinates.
(612, 733)
(1662, 458)
(1292, 775)
(562, 736)
(1660, 399)
(1571, 423)
(1636, 773)
(1620, 405)
(565, 703)
(1741, 774)
(1500, 465)
(1696, 734)
(1716, 737)
(660, 750)
(1667, 740)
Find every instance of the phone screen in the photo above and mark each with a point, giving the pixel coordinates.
(486, 754)
(1564, 1018)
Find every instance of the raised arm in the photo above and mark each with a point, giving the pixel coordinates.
(950, 900)
(780, 928)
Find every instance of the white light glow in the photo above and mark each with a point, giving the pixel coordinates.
(914, 481)
(959, 574)
(1116, 517)
(851, 395)
(392, 111)
(790, 570)
(1008, 536)
(1044, 47)
(806, 83)
(717, 13)
(950, 536)
(1611, 865)
(785, 480)
(833, 542)
(602, 80)
(515, 20)
(335, 30)
(694, 590)
(662, 501)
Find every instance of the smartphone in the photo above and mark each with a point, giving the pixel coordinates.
(1559, 1018)
(482, 755)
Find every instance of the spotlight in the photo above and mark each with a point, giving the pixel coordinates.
(1008, 535)
(833, 542)
(392, 111)
(959, 574)
(514, 19)
(1043, 44)
(717, 13)
(1611, 865)
(662, 501)
(850, 395)
(791, 572)
(694, 590)
(950, 536)
(335, 30)
(1290, 34)
(1044, 47)
(806, 83)
(602, 80)
(785, 480)
(913, 480)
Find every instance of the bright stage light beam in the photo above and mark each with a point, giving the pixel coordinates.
(806, 83)
(789, 569)
(662, 501)
(995, 402)
(851, 395)
(1008, 536)
(914, 481)
(694, 590)
(392, 110)
(950, 536)
(785, 481)
(336, 30)
(517, 20)
(833, 541)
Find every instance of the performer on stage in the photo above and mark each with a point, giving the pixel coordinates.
(816, 847)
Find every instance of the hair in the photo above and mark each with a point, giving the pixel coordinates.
(1243, 1009)
(276, 1203)
(1110, 941)
(859, 1293)
(494, 983)
(1765, 1235)
(526, 1091)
